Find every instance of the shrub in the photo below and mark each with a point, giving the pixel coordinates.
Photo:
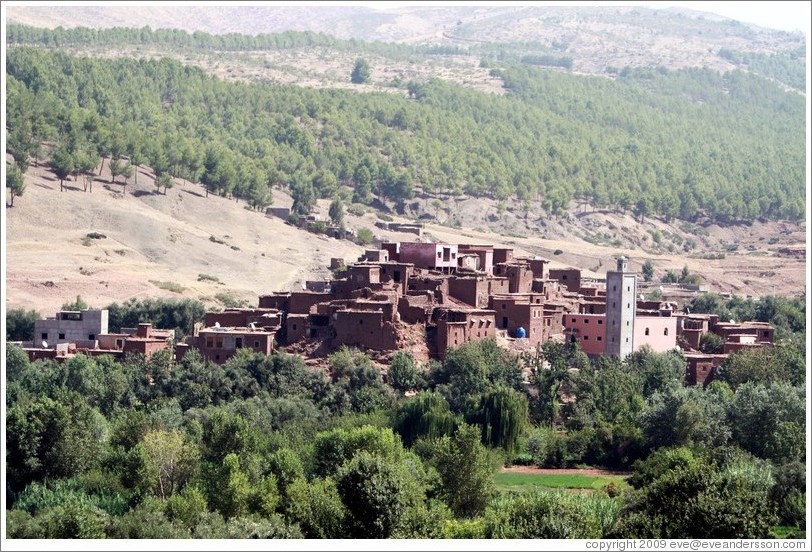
(364, 236)
(208, 278)
(356, 209)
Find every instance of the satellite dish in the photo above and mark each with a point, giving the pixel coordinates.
(253, 327)
(216, 324)
(44, 344)
(732, 321)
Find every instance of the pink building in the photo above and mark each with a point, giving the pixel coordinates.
(589, 330)
(436, 256)
(658, 332)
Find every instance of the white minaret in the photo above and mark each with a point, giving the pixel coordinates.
(621, 306)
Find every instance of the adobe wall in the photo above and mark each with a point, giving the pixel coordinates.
(296, 327)
(363, 329)
(568, 277)
(301, 302)
(502, 255)
(471, 290)
(219, 346)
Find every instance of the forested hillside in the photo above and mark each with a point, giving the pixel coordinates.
(672, 143)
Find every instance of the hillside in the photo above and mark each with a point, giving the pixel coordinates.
(154, 241)
(493, 125)
(595, 37)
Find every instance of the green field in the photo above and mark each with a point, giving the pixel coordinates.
(526, 481)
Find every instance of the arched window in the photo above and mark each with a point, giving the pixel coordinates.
(665, 331)
(646, 331)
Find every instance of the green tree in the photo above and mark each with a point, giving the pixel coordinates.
(710, 343)
(769, 420)
(20, 324)
(376, 491)
(731, 498)
(503, 415)
(648, 270)
(62, 164)
(47, 438)
(336, 212)
(404, 375)
(14, 182)
(316, 506)
(164, 180)
(360, 72)
(642, 208)
(466, 470)
(427, 414)
(173, 458)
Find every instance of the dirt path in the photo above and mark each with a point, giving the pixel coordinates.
(562, 471)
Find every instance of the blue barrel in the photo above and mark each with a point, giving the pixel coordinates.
(520, 333)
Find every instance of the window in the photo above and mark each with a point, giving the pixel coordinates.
(665, 331)
(614, 304)
(219, 343)
(209, 342)
(91, 337)
(238, 343)
(600, 338)
(361, 322)
(564, 277)
(628, 288)
(61, 336)
(627, 322)
(586, 338)
(614, 288)
(294, 327)
(646, 331)
(573, 320)
(600, 321)
(44, 335)
(119, 343)
(586, 320)
(256, 344)
(504, 306)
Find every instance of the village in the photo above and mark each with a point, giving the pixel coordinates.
(427, 298)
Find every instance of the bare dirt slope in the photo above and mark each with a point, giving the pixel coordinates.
(150, 237)
(156, 243)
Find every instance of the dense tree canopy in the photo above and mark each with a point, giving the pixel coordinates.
(736, 154)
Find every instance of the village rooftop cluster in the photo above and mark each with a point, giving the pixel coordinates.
(427, 298)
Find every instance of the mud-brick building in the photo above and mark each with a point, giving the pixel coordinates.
(144, 340)
(526, 313)
(270, 319)
(457, 325)
(219, 344)
(568, 277)
(433, 256)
